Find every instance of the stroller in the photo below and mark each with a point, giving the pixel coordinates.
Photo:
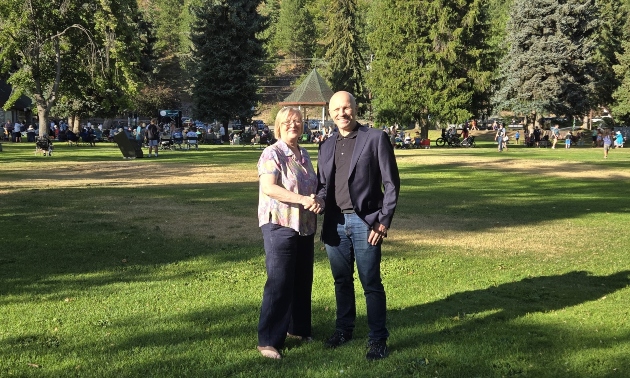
(44, 145)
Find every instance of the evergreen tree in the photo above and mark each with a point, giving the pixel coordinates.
(295, 32)
(227, 58)
(609, 37)
(271, 10)
(550, 65)
(343, 49)
(621, 96)
(430, 60)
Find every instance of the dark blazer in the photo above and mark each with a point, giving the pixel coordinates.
(373, 179)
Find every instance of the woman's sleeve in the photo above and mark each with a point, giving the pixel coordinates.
(268, 163)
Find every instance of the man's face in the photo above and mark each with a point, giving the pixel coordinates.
(343, 111)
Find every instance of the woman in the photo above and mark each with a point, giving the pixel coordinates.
(287, 210)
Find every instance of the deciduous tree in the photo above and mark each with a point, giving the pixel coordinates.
(50, 47)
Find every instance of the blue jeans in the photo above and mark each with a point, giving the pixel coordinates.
(286, 304)
(352, 246)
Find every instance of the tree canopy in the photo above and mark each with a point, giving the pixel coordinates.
(295, 31)
(550, 66)
(430, 59)
(227, 57)
(73, 53)
(344, 46)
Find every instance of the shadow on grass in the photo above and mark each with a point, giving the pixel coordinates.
(487, 331)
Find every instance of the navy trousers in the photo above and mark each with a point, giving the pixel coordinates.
(286, 304)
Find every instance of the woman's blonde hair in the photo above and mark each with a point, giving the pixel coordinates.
(282, 116)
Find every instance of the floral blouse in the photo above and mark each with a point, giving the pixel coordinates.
(295, 176)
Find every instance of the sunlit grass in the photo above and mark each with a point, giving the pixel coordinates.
(511, 264)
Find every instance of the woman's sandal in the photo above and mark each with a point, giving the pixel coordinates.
(269, 352)
(307, 339)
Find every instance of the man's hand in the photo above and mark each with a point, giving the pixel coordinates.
(312, 203)
(377, 233)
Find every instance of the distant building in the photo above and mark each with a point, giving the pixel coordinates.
(21, 110)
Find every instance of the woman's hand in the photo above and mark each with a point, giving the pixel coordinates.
(312, 203)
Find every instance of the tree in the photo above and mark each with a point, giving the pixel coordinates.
(343, 49)
(227, 56)
(271, 10)
(430, 61)
(295, 31)
(44, 58)
(621, 96)
(550, 67)
(609, 35)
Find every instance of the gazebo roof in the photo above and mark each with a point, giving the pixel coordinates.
(313, 91)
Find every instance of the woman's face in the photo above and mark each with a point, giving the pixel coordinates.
(291, 128)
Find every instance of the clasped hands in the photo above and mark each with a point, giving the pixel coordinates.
(312, 203)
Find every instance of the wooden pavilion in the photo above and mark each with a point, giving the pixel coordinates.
(313, 92)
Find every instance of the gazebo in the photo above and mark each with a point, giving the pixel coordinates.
(311, 93)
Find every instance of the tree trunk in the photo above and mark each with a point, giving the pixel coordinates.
(423, 125)
(73, 123)
(42, 115)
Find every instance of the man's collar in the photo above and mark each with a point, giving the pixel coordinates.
(351, 134)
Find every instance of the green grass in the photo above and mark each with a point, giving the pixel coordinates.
(509, 264)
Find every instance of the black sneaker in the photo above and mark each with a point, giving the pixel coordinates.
(338, 338)
(378, 350)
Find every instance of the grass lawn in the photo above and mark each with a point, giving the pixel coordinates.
(510, 264)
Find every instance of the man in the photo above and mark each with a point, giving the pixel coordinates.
(153, 137)
(354, 166)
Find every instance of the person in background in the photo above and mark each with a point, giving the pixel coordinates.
(30, 134)
(517, 136)
(465, 132)
(618, 140)
(555, 135)
(287, 209)
(499, 137)
(140, 134)
(359, 182)
(222, 133)
(17, 132)
(153, 137)
(607, 142)
(567, 140)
